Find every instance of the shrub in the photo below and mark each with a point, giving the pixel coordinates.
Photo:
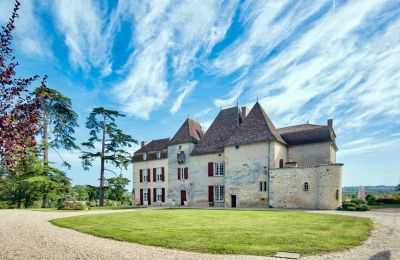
(80, 206)
(347, 205)
(351, 209)
(363, 207)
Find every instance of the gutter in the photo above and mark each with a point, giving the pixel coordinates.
(269, 161)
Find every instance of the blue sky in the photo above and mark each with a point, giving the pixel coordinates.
(160, 61)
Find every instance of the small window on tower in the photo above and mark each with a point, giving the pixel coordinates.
(144, 157)
(158, 154)
(306, 186)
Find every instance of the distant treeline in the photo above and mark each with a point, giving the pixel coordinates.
(377, 189)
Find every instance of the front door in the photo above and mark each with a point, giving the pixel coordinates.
(183, 197)
(233, 201)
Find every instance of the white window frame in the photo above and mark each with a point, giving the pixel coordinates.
(219, 169)
(145, 175)
(145, 197)
(159, 174)
(159, 194)
(144, 156)
(158, 154)
(219, 193)
(182, 173)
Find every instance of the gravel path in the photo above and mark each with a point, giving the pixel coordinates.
(28, 235)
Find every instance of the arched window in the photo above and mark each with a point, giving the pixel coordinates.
(306, 186)
(337, 194)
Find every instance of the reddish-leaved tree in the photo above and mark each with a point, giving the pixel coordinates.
(18, 110)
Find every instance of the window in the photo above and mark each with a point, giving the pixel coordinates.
(144, 157)
(145, 175)
(158, 154)
(263, 186)
(237, 147)
(159, 195)
(306, 186)
(219, 193)
(281, 163)
(145, 196)
(219, 169)
(159, 174)
(337, 194)
(183, 173)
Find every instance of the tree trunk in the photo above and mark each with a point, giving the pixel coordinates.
(45, 202)
(101, 199)
(19, 199)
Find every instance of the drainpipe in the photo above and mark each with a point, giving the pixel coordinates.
(269, 161)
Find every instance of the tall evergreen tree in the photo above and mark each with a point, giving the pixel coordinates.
(112, 140)
(57, 123)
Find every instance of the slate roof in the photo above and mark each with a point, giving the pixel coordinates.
(307, 134)
(218, 134)
(153, 146)
(256, 127)
(189, 132)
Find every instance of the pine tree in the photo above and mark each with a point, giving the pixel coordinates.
(112, 140)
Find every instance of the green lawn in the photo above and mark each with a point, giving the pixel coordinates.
(227, 231)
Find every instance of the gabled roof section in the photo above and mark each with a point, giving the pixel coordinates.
(155, 145)
(217, 135)
(189, 132)
(256, 127)
(307, 134)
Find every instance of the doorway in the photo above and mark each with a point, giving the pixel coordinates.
(183, 197)
(145, 198)
(233, 201)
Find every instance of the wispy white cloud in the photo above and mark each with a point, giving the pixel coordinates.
(338, 64)
(183, 93)
(30, 37)
(88, 33)
(170, 40)
(375, 146)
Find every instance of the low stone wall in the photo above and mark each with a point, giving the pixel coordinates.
(324, 187)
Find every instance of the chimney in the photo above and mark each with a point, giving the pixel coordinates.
(245, 111)
(330, 123)
(143, 144)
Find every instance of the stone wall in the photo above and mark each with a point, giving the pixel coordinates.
(245, 168)
(196, 185)
(312, 154)
(137, 185)
(324, 181)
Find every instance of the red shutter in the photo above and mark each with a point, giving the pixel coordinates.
(186, 173)
(163, 195)
(141, 175)
(162, 174)
(155, 195)
(141, 196)
(154, 174)
(210, 169)
(148, 175)
(179, 173)
(210, 193)
(149, 194)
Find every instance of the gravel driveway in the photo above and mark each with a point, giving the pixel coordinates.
(27, 234)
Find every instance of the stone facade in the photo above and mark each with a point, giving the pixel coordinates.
(244, 161)
(145, 185)
(323, 189)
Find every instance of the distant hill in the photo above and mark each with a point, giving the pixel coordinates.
(379, 189)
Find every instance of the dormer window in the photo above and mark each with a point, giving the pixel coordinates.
(158, 154)
(144, 157)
